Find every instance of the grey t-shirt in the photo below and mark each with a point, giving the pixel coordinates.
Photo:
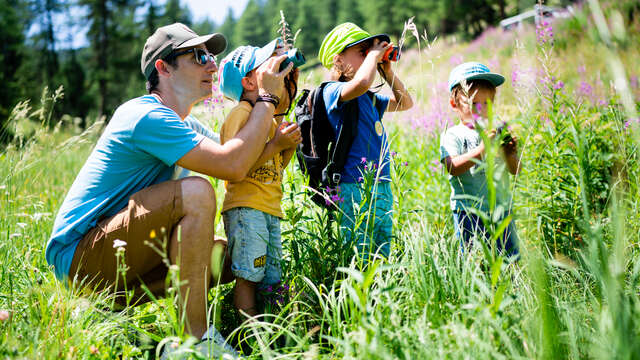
(469, 190)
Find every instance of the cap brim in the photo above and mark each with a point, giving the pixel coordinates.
(382, 37)
(264, 53)
(215, 43)
(495, 79)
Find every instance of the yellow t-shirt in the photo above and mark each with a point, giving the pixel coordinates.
(260, 189)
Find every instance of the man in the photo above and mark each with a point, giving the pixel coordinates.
(123, 194)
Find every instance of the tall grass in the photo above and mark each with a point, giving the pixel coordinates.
(574, 293)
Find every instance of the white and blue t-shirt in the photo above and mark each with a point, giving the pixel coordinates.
(371, 141)
(469, 190)
(137, 149)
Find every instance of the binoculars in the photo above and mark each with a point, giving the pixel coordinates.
(294, 56)
(392, 54)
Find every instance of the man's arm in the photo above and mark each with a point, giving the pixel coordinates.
(233, 160)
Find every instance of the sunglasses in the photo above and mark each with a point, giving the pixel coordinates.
(202, 56)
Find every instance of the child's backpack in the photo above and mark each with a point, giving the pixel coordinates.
(323, 153)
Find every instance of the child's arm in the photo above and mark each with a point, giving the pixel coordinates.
(366, 74)
(287, 155)
(460, 164)
(510, 152)
(286, 138)
(401, 99)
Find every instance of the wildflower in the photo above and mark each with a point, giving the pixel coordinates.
(336, 198)
(406, 163)
(360, 178)
(363, 160)
(393, 154)
(544, 33)
(93, 349)
(558, 86)
(582, 69)
(585, 89)
(117, 243)
(4, 315)
(152, 234)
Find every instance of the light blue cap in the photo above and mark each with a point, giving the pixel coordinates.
(473, 71)
(238, 63)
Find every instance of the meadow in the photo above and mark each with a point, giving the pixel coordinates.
(571, 98)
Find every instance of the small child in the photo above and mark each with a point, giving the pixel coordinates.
(251, 209)
(353, 56)
(472, 87)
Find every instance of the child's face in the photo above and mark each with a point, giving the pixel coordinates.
(352, 57)
(474, 107)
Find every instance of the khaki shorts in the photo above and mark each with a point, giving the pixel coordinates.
(150, 217)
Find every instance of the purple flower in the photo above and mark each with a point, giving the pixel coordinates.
(602, 102)
(336, 198)
(585, 89)
(375, 166)
(558, 86)
(393, 154)
(406, 163)
(582, 69)
(363, 160)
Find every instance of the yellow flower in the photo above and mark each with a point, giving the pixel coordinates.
(152, 234)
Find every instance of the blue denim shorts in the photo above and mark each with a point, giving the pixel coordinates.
(468, 225)
(254, 245)
(371, 231)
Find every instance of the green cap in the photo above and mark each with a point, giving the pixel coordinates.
(174, 37)
(341, 37)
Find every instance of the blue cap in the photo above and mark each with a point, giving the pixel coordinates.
(473, 71)
(238, 63)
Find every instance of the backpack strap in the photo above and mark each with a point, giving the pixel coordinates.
(344, 139)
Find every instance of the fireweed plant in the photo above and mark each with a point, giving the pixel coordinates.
(573, 294)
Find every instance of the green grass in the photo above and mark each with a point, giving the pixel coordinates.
(574, 294)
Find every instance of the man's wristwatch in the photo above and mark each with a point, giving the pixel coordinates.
(270, 98)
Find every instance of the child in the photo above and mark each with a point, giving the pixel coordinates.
(472, 87)
(251, 209)
(353, 56)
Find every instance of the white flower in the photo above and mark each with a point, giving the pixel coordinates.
(117, 243)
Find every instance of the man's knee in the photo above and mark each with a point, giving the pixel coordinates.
(198, 195)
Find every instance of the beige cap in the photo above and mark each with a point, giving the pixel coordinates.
(173, 37)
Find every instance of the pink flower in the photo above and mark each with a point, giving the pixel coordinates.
(4, 315)
(558, 86)
(363, 160)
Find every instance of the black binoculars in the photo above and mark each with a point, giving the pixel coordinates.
(294, 56)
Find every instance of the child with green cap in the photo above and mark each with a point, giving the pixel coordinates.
(251, 210)
(472, 87)
(354, 56)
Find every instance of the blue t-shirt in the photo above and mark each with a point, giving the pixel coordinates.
(371, 140)
(137, 149)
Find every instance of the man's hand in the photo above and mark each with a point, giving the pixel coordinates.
(270, 80)
(287, 136)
